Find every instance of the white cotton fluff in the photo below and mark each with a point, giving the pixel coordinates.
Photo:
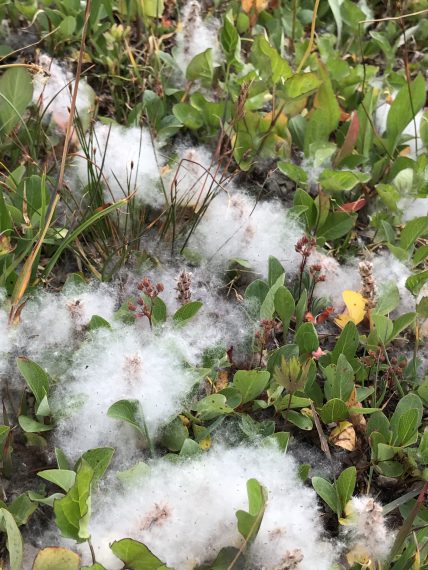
(235, 226)
(366, 530)
(124, 160)
(410, 204)
(338, 278)
(413, 208)
(52, 93)
(381, 116)
(119, 364)
(386, 269)
(195, 35)
(51, 319)
(194, 178)
(185, 512)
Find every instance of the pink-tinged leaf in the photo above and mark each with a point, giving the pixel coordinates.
(353, 206)
(350, 139)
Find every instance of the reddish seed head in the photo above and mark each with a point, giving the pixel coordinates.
(160, 287)
(132, 307)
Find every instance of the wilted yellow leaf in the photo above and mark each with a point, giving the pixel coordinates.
(358, 420)
(356, 309)
(258, 5)
(222, 380)
(358, 555)
(344, 436)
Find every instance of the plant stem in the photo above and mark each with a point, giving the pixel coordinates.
(311, 38)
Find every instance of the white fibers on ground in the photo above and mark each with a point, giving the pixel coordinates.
(386, 269)
(366, 530)
(185, 512)
(123, 160)
(193, 179)
(52, 93)
(51, 319)
(116, 365)
(134, 362)
(195, 35)
(237, 226)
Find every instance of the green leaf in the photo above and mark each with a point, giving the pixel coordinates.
(212, 406)
(408, 424)
(408, 402)
(346, 485)
(16, 93)
(152, 8)
(300, 420)
(275, 270)
(14, 541)
(388, 299)
(378, 422)
(174, 435)
(334, 410)
(402, 323)
(251, 383)
(98, 322)
(401, 111)
(324, 120)
(389, 195)
(415, 282)
(136, 555)
(257, 289)
(158, 311)
(230, 40)
(249, 522)
(31, 426)
(342, 180)
(294, 172)
(412, 231)
(61, 459)
(56, 558)
(64, 478)
(98, 459)
(190, 448)
(228, 557)
(284, 306)
(337, 225)
(327, 492)
(187, 311)
(188, 115)
(37, 379)
(129, 411)
(347, 343)
(339, 379)
(201, 67)
(267, 308)
(268, 62)
(301, 85)
(72, 512)
(22, 508)
(382, 327)
(306, 338)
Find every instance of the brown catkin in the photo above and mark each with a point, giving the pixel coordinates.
(184, 283)
(368, 289)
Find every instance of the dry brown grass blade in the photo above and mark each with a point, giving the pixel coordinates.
(25, 275)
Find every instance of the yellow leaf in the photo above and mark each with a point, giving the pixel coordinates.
(344, 436)
(355, 306)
